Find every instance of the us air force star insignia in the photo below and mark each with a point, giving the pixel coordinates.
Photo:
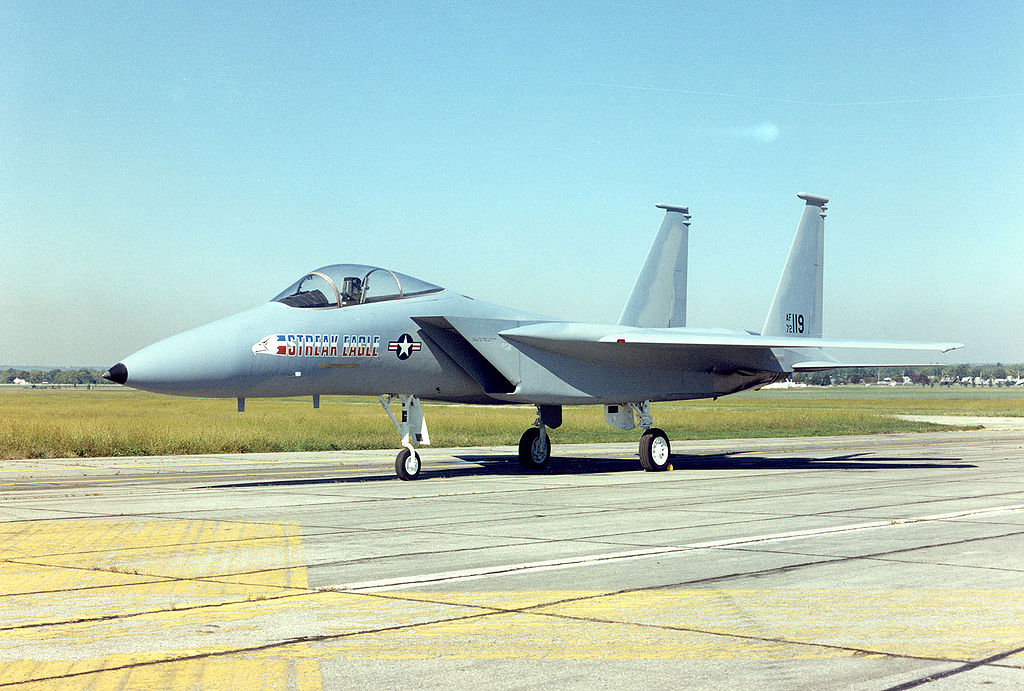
(404, 346)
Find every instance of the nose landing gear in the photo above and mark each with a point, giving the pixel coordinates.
(412, 427)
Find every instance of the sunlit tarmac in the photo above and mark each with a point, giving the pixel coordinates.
(860, 562)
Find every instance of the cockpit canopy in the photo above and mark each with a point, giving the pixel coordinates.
(341, 285)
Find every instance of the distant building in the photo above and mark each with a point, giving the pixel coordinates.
(788, 384)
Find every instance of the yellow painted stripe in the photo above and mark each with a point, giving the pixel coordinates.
(143, 588)
(101, 599)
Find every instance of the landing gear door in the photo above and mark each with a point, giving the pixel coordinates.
(619, 417)
(417, 423)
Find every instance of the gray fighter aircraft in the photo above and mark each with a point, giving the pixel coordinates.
(365, 330)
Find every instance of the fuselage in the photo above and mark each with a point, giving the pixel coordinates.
(437, 346)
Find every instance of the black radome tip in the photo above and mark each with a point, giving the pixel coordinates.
(117, 374)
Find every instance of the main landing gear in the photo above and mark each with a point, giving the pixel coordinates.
(535, 444)
(655, 450)
(413, 427)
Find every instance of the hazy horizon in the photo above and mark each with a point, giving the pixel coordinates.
(165, 165)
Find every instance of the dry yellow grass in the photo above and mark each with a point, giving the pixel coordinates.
(58, 424)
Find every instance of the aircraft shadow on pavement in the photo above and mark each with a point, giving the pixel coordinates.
(568, 465)
(853, 461)
(478, 465)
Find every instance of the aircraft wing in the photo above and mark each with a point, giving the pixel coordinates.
(722, 346)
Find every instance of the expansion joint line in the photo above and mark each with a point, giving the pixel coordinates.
(152, 578)
(535, 611)
(967, 667)
(300, 640)
(162, 610)
(667, 550)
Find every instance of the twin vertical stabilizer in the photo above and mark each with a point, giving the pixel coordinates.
(659, 294)
(658, 299)
(796, 308)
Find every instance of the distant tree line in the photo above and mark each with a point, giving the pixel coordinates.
(53, 376)
(924, 376)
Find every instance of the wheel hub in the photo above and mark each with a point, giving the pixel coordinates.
(659, 450)
(538, 450)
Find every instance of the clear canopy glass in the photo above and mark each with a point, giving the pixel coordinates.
(342, 285)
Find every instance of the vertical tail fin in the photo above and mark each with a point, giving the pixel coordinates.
(659, 294)
(796, 309)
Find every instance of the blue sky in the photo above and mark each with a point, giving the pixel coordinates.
(163, 165)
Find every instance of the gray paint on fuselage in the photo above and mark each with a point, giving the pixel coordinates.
(592, 373)
(216, 360)
(484, 352)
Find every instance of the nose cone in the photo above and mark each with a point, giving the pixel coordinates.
(215, 360)
(117, 374)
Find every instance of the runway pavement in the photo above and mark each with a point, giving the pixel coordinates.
(855, 562)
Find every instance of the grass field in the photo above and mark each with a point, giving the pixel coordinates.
(121, 422)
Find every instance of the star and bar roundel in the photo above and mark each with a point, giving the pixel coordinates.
(404, 346)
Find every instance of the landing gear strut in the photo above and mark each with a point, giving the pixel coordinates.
(412, 427)
(535, 444)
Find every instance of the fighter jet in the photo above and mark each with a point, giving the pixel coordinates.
(364, 330)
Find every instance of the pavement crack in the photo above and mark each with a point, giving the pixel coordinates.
(967, 667)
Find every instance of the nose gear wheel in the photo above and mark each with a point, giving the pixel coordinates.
(407, 464)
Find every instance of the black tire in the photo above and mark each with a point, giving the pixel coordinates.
(532, 453)
(655, 450)
(407, 465)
